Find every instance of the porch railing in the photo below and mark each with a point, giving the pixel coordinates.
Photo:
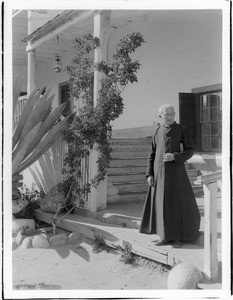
(210, 185)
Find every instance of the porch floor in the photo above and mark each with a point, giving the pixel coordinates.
(120, 223)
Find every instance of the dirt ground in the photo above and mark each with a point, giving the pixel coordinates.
(77, 267)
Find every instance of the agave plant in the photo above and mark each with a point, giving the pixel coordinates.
(47, 172)
(36, 131)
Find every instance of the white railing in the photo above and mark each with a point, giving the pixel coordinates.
(210, 186)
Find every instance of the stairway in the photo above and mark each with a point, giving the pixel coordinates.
(126, 174)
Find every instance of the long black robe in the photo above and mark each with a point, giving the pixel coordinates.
(170, 209)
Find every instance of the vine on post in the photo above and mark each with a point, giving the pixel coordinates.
(91, 125)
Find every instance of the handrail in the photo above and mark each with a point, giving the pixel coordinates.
(209, 177)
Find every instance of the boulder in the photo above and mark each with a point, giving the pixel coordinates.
(40, 241)
(58, 240)
(25, 225)
(27, 243)
(14, 244)
(53, 201)
(73, 237)
(184, 276)
(19, 238)
(18, 205)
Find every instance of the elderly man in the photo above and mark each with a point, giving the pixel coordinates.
(170, 210)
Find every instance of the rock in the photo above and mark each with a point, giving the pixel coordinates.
(73, 237)
(25, 225)
(40, 241)
(53, 201)
(184, 276)
(58, 240)
(19, 238)
(18, 205)
(14, 244)
(27, 243)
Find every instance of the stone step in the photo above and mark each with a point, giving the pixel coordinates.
(143, 186)
(131, 186)
(128, 162)
(131, 148)
(126, 170)
(139, 196)
(135, 178)
(198, 190)
(129, 154)
(192, 173)
(138, 166)
(139, 170)
(117, 142)
(127, 178)
(132, 197)
(192, 180)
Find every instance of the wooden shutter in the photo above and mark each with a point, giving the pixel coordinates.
(65, 97)
(188, 115)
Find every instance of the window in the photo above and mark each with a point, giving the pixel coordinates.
(64, 97)
(211, 121)
(201, 113)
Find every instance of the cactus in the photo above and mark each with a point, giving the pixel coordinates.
(35, 132)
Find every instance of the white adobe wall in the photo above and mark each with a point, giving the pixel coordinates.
(182, 51)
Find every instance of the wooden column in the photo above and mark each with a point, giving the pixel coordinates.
(98, 196)
(31, 74)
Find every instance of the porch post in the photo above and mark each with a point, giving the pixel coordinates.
(98, 196)
(31, 72)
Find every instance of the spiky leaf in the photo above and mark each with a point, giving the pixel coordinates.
(36, 115)
(45, 144)
(31, 101)
(20, 154)
(46, 126)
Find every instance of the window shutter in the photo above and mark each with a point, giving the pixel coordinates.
(188, 115)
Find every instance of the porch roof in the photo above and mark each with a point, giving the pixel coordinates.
(52, 25)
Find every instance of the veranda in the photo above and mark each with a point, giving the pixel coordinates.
(97, 198)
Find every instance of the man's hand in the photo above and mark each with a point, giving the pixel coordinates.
(168, 157)
(150, 180)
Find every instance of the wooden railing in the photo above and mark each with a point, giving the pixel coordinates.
(210, 185)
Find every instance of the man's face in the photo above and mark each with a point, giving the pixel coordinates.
(168, 116)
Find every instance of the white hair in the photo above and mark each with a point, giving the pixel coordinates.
(164, 107)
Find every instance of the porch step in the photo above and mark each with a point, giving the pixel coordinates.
(127, 178)
(128, 162)
(131, 186)
(132, 196)
(123, 142)
(128, 148)
(126, 170)
(129, 154)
